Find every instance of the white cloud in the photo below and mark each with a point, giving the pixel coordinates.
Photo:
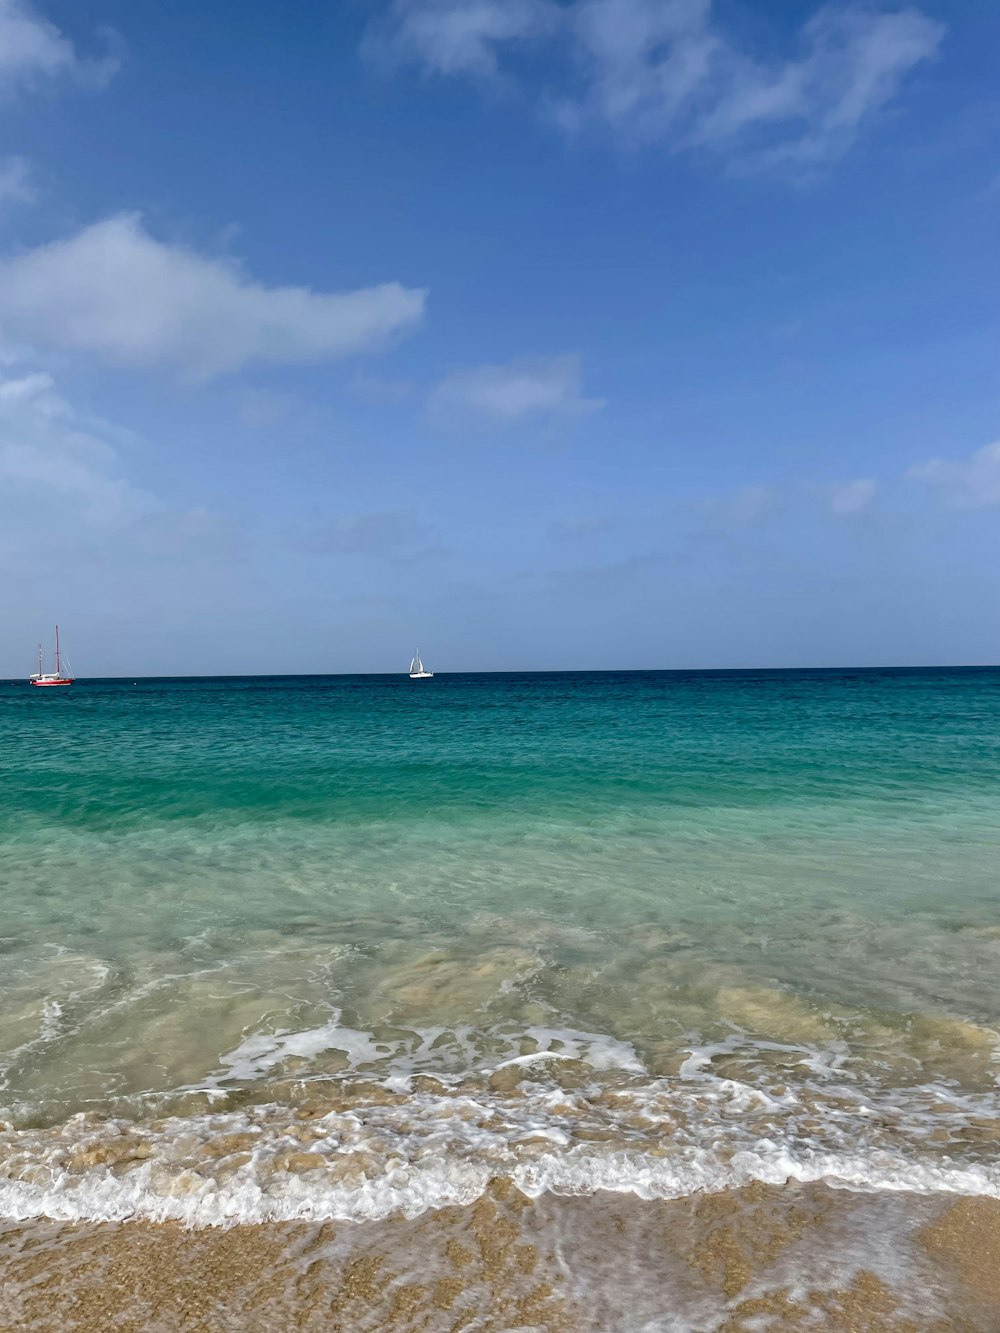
(453, 38)
(116, 292)
(641, 62)
(852, 63)
(32, 48)
(853, 497)
(503, 395)
(30, 45)
(51, 453)
(967, 483)
(668, 71)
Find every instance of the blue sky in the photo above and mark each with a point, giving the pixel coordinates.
(534, 333)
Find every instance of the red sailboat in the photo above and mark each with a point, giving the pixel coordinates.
(57, 677)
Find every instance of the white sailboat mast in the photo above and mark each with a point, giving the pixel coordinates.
(417, 668)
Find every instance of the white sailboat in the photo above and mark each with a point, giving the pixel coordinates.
(417, 671)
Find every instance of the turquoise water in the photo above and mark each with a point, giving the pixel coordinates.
(651, 931)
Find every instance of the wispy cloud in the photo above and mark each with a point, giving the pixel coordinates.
(965, 483)
(668, 71)
(75, 524)
(853, 497)
(503, 395)
(32, 50)
(15, 182)
(744, 508)
(117, 293)
(460, 36)
(51, 452)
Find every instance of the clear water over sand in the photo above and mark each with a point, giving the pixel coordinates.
(352, 948)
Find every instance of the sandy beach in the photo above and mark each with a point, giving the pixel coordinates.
(780, 1259)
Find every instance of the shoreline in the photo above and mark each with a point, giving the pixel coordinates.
(779, 1258)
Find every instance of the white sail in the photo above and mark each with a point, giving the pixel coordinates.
(417, 669)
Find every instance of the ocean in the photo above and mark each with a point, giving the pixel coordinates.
(627, 1001)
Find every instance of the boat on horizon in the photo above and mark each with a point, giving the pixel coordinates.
(57, 677)
(417, 670)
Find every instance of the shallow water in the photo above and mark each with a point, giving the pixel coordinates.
(755, 1260)
(329, 948)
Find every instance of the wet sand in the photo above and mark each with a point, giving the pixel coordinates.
(759, 1260)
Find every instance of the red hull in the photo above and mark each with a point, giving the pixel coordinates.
(43, 677)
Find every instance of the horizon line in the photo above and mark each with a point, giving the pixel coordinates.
(531, 671)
